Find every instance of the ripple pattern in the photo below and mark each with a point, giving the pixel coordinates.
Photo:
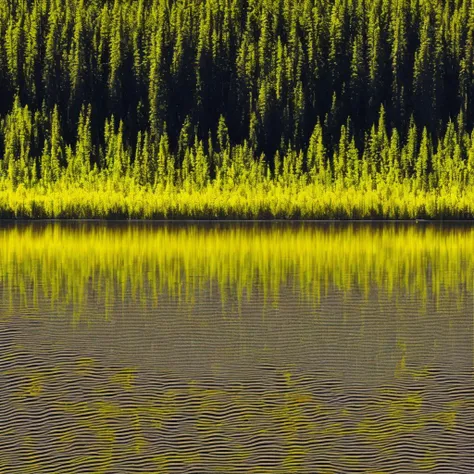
(374, 379)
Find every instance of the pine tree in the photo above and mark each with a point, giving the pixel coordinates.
(423, 161)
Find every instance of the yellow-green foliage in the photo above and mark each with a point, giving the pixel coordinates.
(248, 109)
(108, 198)
(387, 180)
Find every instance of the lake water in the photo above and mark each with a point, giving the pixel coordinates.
(250, 348)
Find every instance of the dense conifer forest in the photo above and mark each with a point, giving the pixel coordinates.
(237, 108)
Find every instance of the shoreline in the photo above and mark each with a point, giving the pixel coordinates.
(22, 220)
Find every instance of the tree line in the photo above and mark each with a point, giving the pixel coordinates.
(173, 91)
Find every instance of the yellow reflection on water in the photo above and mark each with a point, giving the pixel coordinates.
(101, 264)
(372, 376)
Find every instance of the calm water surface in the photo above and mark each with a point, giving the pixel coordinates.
(322, 349)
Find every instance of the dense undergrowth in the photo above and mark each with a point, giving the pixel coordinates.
(269, 200)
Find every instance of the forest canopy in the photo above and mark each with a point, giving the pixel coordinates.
(347, 93)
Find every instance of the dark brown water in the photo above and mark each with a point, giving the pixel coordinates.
(236, 348)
